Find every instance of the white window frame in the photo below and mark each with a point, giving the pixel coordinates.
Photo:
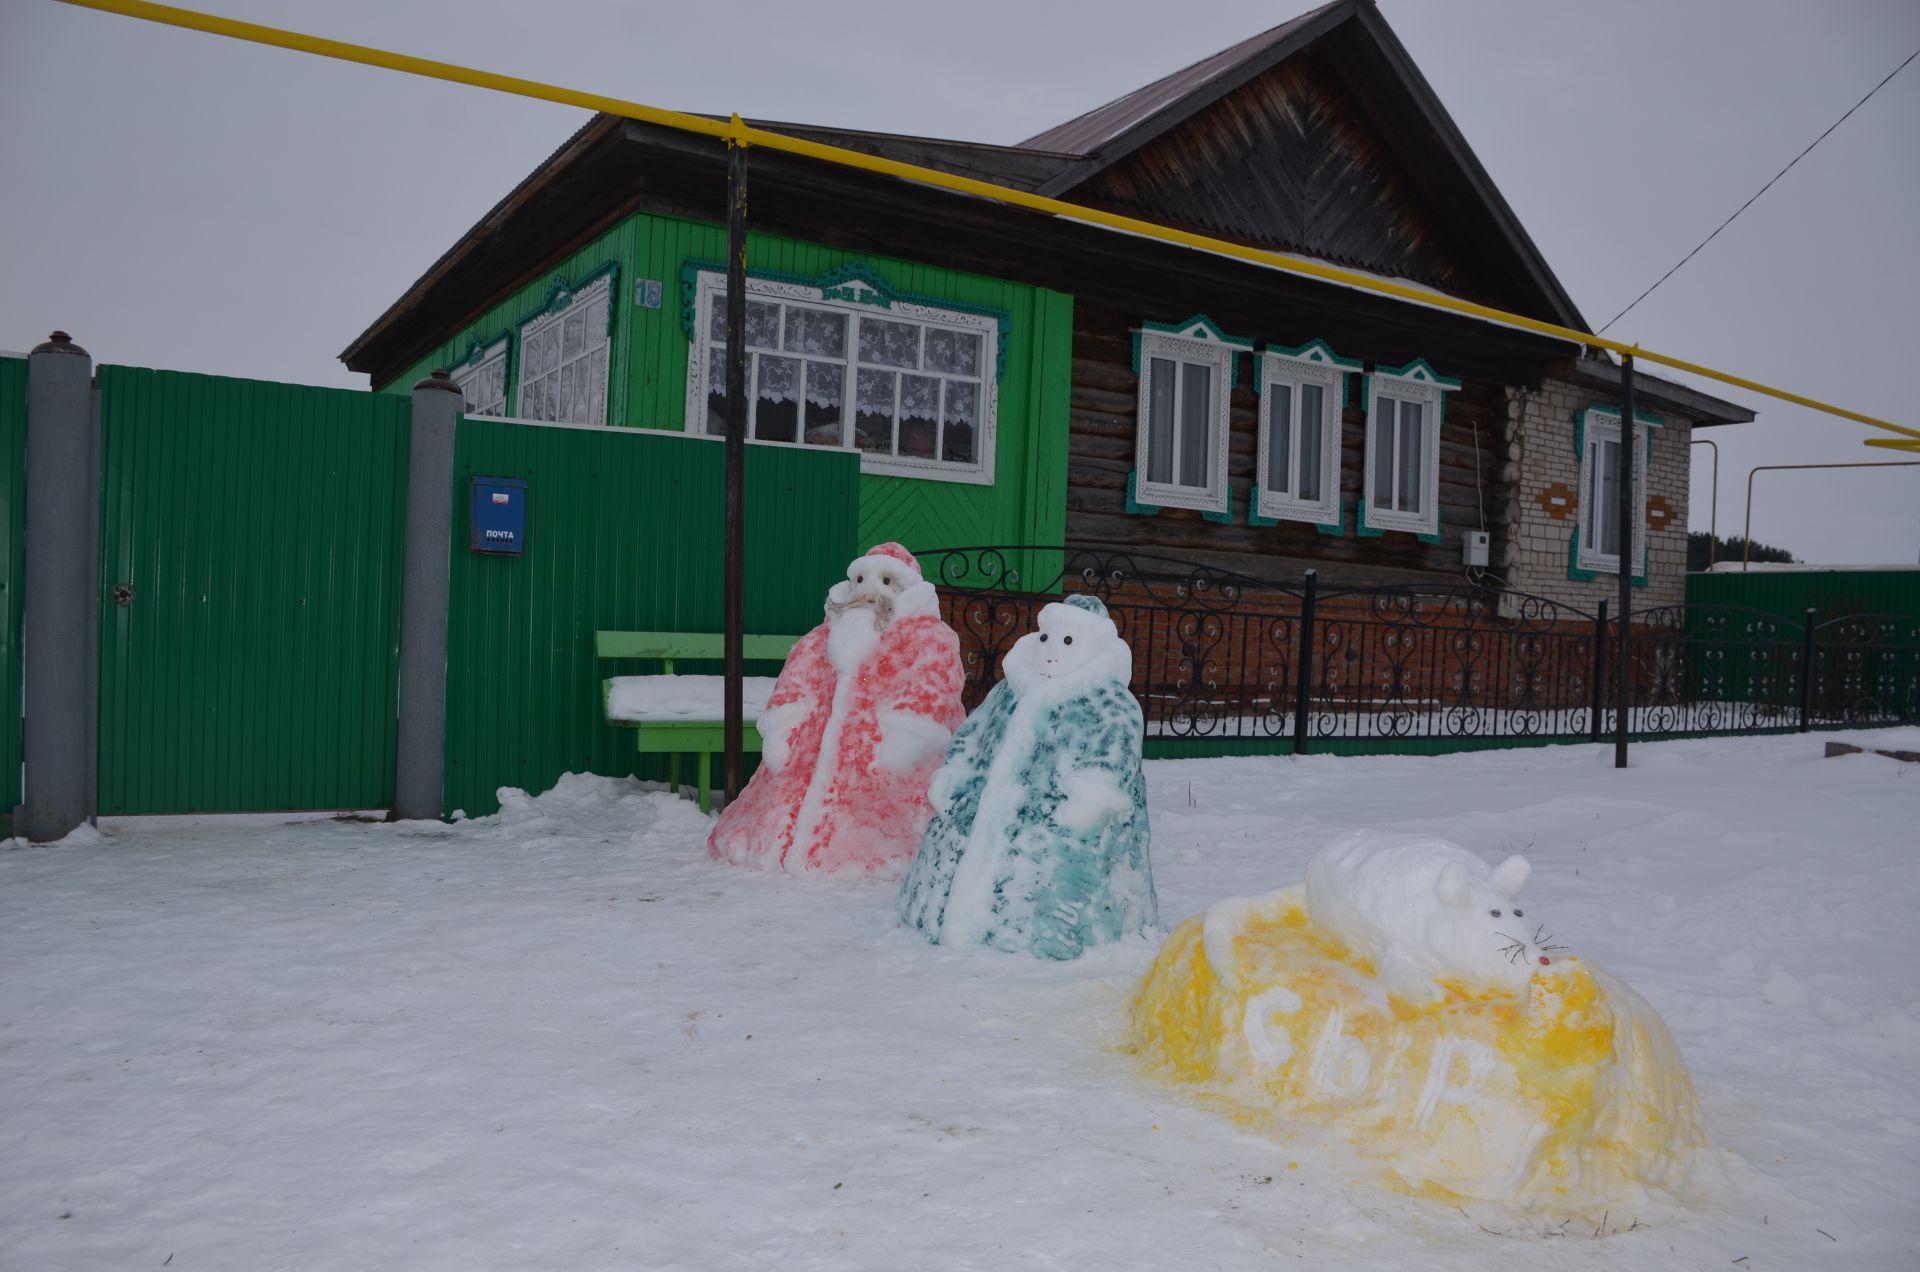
(597, 288)
(1312, 364)
(1197, 342)
(711, 289)
(1417, 383)
(480, 359)
(1597, 426)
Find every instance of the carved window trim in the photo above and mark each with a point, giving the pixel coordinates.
(1164, 350)
(1313, 364)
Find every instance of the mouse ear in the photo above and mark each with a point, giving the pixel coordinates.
(1453, 886)
(1510, 875)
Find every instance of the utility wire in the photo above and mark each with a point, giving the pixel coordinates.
(1762, 190)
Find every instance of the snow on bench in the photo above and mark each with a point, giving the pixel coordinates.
(656, 699)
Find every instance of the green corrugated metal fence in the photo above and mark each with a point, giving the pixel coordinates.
(13, 471)
(250, 577)
(624, 532)
(1833, 593)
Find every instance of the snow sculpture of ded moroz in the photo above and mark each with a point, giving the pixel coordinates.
(855, 728)
(1039, 839)
(1409, 997)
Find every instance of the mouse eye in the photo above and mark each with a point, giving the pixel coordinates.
(1519, 914)
(1496, 914)
(1043, 638)
(859, 578)
(1068, 640)
(887, 579)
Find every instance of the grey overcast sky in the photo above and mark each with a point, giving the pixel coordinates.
(178, 200)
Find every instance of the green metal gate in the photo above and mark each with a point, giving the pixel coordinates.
(250, 570)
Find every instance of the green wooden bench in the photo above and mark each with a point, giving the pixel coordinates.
(672, 714)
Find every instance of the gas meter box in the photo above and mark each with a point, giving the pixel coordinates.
(499, 522)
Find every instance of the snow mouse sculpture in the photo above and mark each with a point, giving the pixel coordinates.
(854, 730)
(1039, 839)
(1425, 913)
(1408, 997)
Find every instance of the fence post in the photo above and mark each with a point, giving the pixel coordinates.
(420, 744)
(1599, 676)
(1806, 674)
(61, 587)
(1303, 681)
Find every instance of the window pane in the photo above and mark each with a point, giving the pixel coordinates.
(574, 334)
(889, 344)
(1605, 509)
(1161, 383)
(1312, 440)
(1413, 441)
(954, 351)
(580, 411)
(1382, 424)
(763, 325)
(1279, 437)
(717, 392)
(826, 392)
(717, 318)
(919, 415)
(776, 412)
(597, 385)
(962, 413)
(816, 331)
(873, 409)
(1196, 425)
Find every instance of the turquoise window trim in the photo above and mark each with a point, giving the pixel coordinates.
(1319, 351)
(1222, 518)
(1579, 575)
(856, 282)
(1253, 509)
(560, 294)
(1338, 529)
(1365, 531)
(1198, 327)
(477, 350)
(1652, 421)
(1138, 509)
(1420, 371)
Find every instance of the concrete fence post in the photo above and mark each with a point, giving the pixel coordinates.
(419, 755)
(61, 585)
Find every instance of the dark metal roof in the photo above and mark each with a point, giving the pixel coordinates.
(1091, 133)
(1023, 167)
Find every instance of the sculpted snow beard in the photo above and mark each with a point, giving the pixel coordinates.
(881, 608)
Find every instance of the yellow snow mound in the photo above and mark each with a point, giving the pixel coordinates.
(1565, 1099)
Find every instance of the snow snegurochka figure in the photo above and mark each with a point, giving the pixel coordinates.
(856, 726)
(1039, 838)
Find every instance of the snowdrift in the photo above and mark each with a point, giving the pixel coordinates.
(1562, 1098)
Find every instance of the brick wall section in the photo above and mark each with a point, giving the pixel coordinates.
(1545, 471)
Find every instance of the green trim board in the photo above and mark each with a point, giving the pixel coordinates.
(1224, 516)
(1198, 327)
(1134, 506)
(1337, 528)
(1364, 531)
(560, 294)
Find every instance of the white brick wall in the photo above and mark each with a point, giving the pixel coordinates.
(1539, 438)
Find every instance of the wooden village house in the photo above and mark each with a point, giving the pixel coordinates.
(1012, 378)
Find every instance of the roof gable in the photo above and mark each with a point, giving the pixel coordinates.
(1318, 136)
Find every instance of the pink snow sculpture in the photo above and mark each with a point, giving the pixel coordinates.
(858, 722)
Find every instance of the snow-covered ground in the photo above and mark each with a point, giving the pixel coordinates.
(562, 1038)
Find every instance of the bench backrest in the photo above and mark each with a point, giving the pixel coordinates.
(671, 645)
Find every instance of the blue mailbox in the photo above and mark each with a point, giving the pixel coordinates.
(499, 521)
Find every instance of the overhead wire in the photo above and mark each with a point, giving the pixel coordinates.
(1756, 194)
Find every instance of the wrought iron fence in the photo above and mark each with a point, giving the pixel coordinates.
(1222, 657)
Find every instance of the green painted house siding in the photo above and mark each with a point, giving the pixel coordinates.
(1026, 502)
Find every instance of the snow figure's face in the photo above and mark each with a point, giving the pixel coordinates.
(872, 585)
(1073, 645)
(1486, 926)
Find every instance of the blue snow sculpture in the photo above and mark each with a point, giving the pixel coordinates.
(1039, 836)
